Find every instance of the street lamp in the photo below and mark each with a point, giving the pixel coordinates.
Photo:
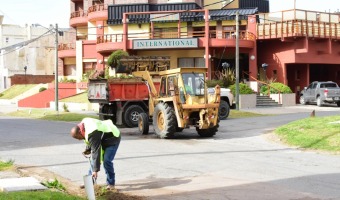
(55, 29)
(264, 66)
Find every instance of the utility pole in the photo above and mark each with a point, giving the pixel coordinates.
(237, 57)
(56, 69)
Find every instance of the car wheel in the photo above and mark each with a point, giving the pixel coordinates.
(338, 103)
(302, 100)
(319, 102)
(224, 110)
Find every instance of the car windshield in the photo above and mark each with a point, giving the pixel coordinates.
(194, 83)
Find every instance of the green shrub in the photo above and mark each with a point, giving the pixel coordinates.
(243, 89)
(114, 58)
(42, 89)
(274, 87)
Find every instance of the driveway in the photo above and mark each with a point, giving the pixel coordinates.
(241, 162)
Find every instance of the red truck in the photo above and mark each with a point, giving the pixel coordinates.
(120, 100)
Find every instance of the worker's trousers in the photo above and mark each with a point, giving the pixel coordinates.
(109, 155)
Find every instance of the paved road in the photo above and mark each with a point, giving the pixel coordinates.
(239, 163)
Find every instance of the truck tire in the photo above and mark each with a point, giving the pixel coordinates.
(318, 101)
(143, 123)
(224, 110)
(131, 115)
(302, 100)
(164, 120)
(108, 110)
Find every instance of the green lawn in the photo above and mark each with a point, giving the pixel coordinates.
(78, 98)
(38, 195)
(46, 114)
(315, 133)
(15, 90)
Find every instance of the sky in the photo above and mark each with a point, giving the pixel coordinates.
(46, 12)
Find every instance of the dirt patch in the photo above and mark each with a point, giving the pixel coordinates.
(44, 175)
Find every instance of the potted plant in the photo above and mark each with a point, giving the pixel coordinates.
(280, 93)
(247, 97)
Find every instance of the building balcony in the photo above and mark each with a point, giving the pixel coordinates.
(97, 12)
(299, 23)
(78, 18)
(110, 42)
(66, 50)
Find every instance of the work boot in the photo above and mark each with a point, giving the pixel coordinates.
(111, 188)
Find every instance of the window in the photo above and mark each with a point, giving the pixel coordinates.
(191, 62)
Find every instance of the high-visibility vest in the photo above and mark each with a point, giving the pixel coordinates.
(105, 126)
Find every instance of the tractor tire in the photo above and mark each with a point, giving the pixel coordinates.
(164, 120)
(143, 123)
(131, 115)
(210, 132)
(224, 110)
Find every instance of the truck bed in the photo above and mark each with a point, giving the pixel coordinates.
(104, 91)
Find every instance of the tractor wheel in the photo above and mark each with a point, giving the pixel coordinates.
(208, 132)
(164, 120)
(143, 123)
(224, 110)
(131, 115)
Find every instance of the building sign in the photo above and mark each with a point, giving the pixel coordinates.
(165, 43)
(164, 17)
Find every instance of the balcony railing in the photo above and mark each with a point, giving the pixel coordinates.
(293, 23)
(293, 28)
(98, 7)
(78, 14)
(244, 35)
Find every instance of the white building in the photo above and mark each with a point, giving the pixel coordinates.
(32, 46)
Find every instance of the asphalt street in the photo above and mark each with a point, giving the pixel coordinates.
(240, 162)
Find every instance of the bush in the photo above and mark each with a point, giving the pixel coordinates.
(243, 89)
(114, 58)
(42, 89)
(274, 87)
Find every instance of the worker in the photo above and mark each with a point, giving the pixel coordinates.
(102, 138)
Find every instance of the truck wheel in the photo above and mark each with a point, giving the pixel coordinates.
(318, 102)
(302, 100)
(143, 123)
(208, 132)
(224, 110)
(108, 110)
(164, 120)
(131, 115)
